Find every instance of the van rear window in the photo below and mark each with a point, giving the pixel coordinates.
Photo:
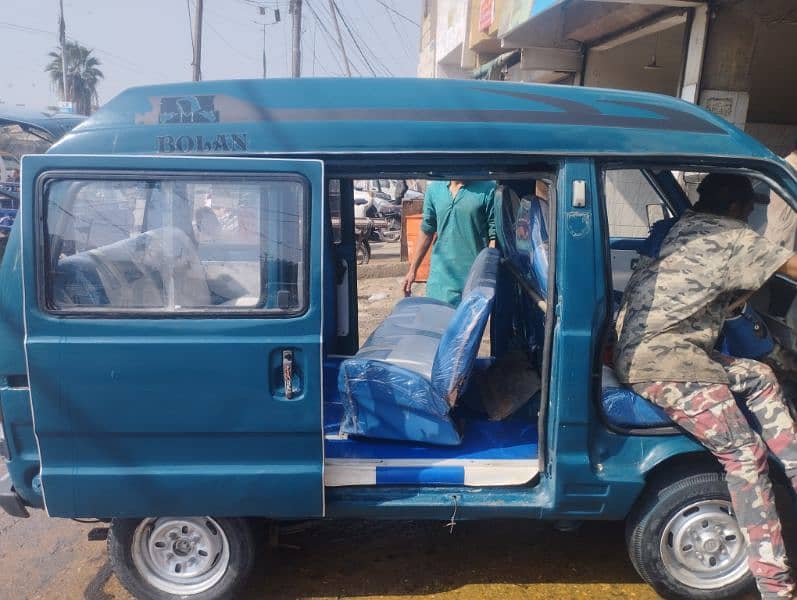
(176, 244)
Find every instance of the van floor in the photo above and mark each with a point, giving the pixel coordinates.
(494, 453)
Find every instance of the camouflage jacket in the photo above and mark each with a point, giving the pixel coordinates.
(674, 306)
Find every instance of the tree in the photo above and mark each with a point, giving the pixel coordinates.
(82, 76)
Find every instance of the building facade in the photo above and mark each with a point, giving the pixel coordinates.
(734, 57)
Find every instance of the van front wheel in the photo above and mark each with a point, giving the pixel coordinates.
(201, 558)
(683, 539)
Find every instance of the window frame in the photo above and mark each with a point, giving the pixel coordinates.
(42, 246)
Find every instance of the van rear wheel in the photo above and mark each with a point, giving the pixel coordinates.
(683, 540)
(202, 558)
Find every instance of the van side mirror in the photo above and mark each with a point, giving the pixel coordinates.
(655, 213)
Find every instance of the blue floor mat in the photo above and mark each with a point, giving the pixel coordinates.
(492, 452)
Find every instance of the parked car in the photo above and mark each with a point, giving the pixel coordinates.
(183, 383)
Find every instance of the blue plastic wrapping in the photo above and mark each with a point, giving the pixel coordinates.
(412, 370)
(746, 335)
(532, 241)
(627, 410)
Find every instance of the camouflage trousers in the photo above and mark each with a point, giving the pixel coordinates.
(709, 413)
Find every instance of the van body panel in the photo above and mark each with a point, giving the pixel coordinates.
(159, 414)
(179, 413)
(319, 116)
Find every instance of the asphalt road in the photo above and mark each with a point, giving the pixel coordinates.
(43, 558)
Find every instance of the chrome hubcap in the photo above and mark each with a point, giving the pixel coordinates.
(702, 546)
(181, 556)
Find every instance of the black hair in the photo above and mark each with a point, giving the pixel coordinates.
(522, 187)
(718, 191)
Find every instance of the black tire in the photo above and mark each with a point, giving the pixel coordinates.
(664, 503)
(241, 544)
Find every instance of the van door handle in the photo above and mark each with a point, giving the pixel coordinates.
(287, 372)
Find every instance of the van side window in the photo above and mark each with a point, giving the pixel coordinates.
(631, 204)
(175, 244)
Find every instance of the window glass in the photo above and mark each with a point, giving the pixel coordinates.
(333, 201)
(175, 244)
(631, 203)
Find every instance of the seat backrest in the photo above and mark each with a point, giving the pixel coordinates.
(459, 346)
(135, 272)
(506, 204)
(532, 239)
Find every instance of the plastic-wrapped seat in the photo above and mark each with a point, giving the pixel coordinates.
(625, 409)
(411, 371)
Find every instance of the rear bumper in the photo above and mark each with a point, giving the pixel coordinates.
(11, 502)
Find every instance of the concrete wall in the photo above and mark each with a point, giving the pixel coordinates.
(779, 138)
(751, 48)
(623, 66)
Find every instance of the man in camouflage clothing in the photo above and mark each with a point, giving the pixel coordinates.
(672, 314)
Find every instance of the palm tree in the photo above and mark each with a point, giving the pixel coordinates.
(82, 76)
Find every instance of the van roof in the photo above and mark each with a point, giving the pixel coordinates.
(315, 116)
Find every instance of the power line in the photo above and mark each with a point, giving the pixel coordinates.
(395, 12)
(226, 42)
(396, 29)
(123, 62)
(363, 59)
(190, 25)
(329, 37)
(333, 10)
(359, 48)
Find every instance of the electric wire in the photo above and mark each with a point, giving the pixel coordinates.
(359, 48)
(190, 26)
(228, 44)
(362, 57)
(332, 45)
(122, 62)
(396, 29)
(395, 12)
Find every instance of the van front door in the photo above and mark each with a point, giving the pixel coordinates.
(173, 334)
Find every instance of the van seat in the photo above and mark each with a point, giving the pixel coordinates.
(413, 368)
(135, 272)
(625, 409)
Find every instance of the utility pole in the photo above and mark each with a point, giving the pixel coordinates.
(264, 50)
(62, 42)
(262, 11)
(197, 62)
(296, 62)
(334, 10)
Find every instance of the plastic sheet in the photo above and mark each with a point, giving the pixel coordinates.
(135, 273)
(532, 241)
(412, 370)
(627, 410)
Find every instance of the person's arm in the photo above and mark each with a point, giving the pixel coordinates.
(789, 268)
(424, 243)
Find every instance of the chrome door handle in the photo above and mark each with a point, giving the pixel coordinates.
(287, 372)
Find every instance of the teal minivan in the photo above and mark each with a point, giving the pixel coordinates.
(179, 351)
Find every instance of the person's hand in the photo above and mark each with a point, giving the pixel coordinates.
(408, 281)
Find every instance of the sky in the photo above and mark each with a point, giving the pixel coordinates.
(149, 41)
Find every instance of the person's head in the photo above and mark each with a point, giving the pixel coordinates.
(727, 195)
(522, 187)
